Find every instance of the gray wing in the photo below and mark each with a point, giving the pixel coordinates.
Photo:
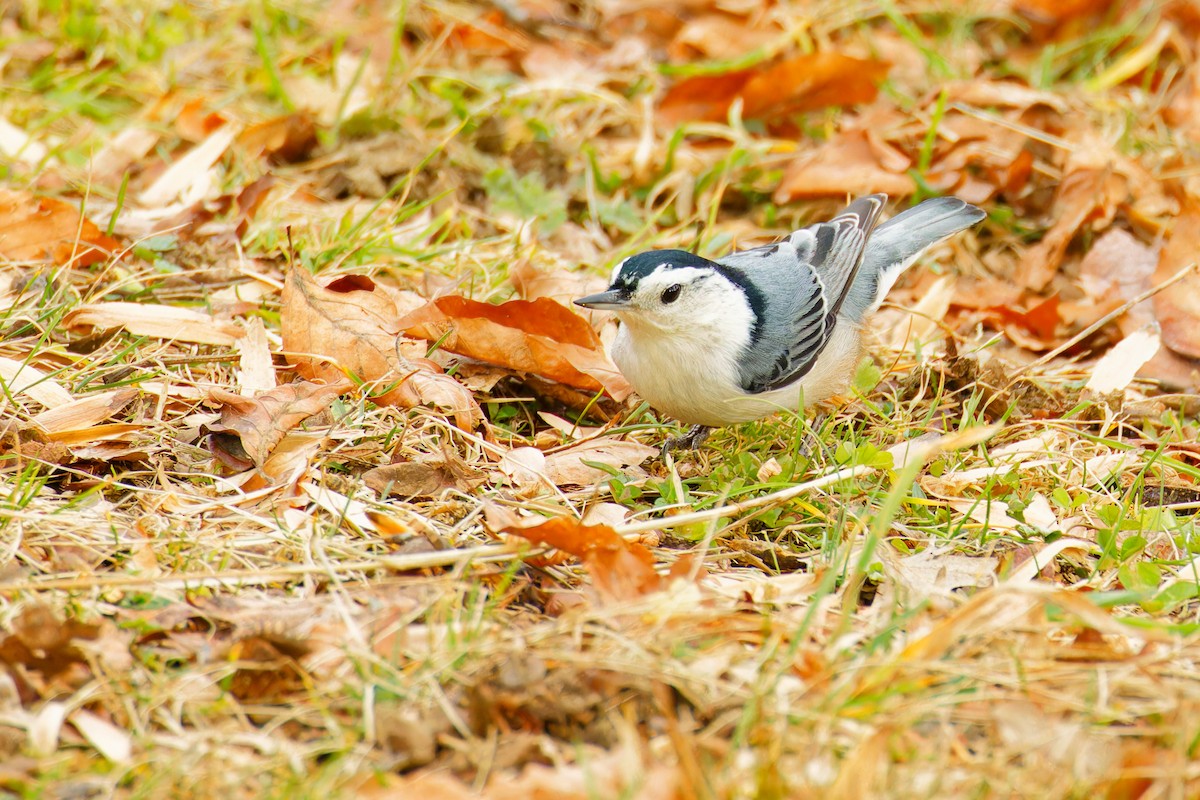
(796, 288)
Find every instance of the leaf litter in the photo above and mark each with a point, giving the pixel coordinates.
(311, 479)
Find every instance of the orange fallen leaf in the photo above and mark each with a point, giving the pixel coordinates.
(1090, 192)
(1178, 306)
(1034, 328)
(620, 570)
(847, 165)
(260, 423)
(34, 228)
(350, 325)
(538, 336)
(1060, 12)
(796, 84)
(286, 139)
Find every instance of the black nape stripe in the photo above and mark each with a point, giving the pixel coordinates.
(754, 297)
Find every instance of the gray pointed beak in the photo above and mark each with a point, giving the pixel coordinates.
(612, 300)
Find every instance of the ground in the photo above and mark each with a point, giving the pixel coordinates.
(313, 483)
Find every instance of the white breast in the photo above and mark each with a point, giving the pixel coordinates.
(693, 375)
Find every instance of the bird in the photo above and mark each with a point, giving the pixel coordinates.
(716, 342)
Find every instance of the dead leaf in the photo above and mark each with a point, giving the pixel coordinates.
(34, 228)
(1060, 12)
(539, 336)
(846, 165)
(1090, 191)
(559, 285)
(260, 423)
(158, 321)
(351, 324)
(109, 740)
(1178, 307)
(938, 575)
(620, 570)
(18, 377)
(802, 83)
(1117, 368)
(85, 412)
(188, 179)
(427, 477)
(572, 466)
(524, 466)
(286, 139)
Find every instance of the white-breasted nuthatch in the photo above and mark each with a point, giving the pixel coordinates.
(713, 343)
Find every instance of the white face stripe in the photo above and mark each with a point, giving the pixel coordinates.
(616, 271)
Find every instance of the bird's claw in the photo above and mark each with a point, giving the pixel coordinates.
(688, 441)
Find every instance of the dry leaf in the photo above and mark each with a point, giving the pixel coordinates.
(1178, 307)
(620, 570)
(188, 178)
(34, 228)
(161, 322)
(846, 165)
(85, 412)
(1117, 368)
(260, 423)
(256, 371)
(572, 466)
(524, 466)
(796, 84)
(428, 477)
(539, 336)
(18, 377)
(109, 740)
(1090, 191)
(351, 324)
(285, 139)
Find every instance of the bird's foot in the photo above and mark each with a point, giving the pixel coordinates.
(811, 442)
(688, 441)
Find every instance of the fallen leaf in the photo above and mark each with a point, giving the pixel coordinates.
(560, 285)
(718, 37)
(187, 178)
(19, 377)
(620, 570)
(260, 423)
(350, 324)
(1178, 307)
(286, 139)
(427, 477)
(34, 228)
(524, 466)
(109, 740)
(85, 412)
(802, 83)
(539, 336)
(1117, 368)
(572, 466)
(937, 575)
(256, 369)
(157, 321)
(1060, 12)
(846, 165)
(1090, 191)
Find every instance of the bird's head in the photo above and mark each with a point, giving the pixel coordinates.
(669, 290)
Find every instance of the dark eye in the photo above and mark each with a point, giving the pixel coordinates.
(671, 293)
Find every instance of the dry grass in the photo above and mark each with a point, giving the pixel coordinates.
(1011, 612)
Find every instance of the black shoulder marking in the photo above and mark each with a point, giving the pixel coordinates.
(754, 297)
(824, 237)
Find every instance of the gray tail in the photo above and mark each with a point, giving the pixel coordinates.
(897, 243)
